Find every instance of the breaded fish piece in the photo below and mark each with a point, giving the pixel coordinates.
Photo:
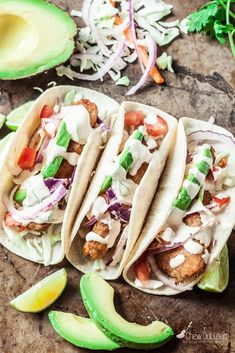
(94, 249)
(192, 267)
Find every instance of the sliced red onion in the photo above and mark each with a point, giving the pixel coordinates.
(120, 212)
(116, 208)
(103, 126)
(90, 222)
(39, 158)
(163, 248)
(152, 49)
(104, 69)
(111, 195)
(34, 211)
(210, 135)
(53, 183)
(133, 33)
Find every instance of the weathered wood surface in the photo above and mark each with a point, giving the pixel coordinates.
(203, 85)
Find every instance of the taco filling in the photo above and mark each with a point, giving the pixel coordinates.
(45, 171)
(181, 251)
(105, 227)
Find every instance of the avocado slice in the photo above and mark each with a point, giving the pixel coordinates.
(80, 331)
(126, 161)
(101, 309)
(62, 139)
(35, 36)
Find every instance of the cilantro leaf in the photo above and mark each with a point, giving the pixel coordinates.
(215, 19)
(199, 20)
(221, 31)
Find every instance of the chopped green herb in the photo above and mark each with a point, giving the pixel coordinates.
(214, 18)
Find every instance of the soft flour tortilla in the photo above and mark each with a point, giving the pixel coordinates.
(107, 108)
(143, 195)
(168, 190)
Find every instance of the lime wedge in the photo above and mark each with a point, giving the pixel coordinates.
(15, 117)
(4, 144)
(80, 331)
(216, 278)
(42, 294)
(2, 120)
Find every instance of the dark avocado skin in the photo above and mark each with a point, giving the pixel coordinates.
(161, 339)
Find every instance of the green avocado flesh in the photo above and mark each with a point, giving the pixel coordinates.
(80, 331)
(101, 309)
(63, 140)
(184, 200)
(126, 161)
(35, 36)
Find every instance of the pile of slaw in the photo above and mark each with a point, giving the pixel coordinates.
(117, 33)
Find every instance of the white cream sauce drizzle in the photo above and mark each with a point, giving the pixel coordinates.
(71, 158)
(53, 151)
(150, 141)
(177, 260)
(168, 234)
(124, 188)
(36, 190)
(77, 120)
(151, 119)
(114, 230)
(99, 207)
(192, 188)
(140, 154)
(193, 247)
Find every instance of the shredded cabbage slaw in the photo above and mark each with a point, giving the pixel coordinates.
(117, 33)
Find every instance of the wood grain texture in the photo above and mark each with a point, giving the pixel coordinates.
(203, 85)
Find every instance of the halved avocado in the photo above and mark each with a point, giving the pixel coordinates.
(80, 331)
(98, 297)
(35, 36)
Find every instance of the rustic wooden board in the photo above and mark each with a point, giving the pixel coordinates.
(203, 85)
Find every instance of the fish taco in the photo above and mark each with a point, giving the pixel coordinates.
(47, 170)
(192, 216)
(121, 192)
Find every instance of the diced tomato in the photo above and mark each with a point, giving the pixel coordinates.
(221, 202)
(142, 270)
(46, 112)
(27, 158)
(10, 222)
(159, 129)
(134, 118)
